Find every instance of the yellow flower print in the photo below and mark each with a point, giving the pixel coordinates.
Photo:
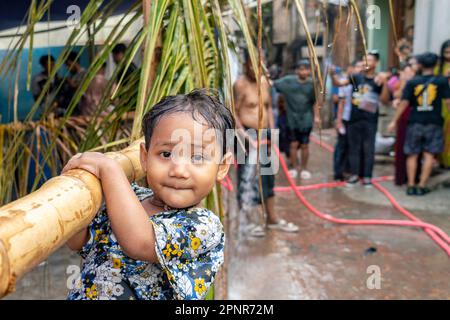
(172, 249)
(117, 263)
(98, 233)
(200, 287)
(176, 250)
(104, 239)
(168, 251)
(170, 277)
(195, 243)
(91, 292)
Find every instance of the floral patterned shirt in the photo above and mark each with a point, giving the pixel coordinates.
(189, 245)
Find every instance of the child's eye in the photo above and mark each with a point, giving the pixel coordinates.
(166, 154)
(197, 158)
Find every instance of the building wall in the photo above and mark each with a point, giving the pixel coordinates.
(431, 25)
(378, 38)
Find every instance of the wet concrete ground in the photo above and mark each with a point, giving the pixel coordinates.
(323, 260)
(329, 261)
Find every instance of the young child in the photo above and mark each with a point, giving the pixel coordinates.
(158, 243)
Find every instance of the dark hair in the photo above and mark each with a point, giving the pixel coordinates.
(428, 60)
(444, 46)
(374, 53)
(201, 102)
(302, 63)
(43, 60)
(119, 48)
(72, 56)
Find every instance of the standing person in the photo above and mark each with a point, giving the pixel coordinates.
(406, 74)
(301, 112)
(94, 93)
(128, 83)
(245, 92)
(443, 69)
(425, 94)
(77, 73)
(118, 53)
(38, 82)
(340, 157)
(369, 88)
(282, 126)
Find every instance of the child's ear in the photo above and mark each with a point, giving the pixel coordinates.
(224, 166)
(143, 156)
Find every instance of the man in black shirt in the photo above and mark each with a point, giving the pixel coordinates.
(369, 88)
(424, 134)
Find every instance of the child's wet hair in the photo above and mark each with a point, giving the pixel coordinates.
(202, 104)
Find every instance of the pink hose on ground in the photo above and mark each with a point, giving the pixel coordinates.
(330, 218)
(394, 202)
(432, 230)
(325, 185)
(409, 214)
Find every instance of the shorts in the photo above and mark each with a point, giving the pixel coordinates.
(248, 185)
(248, 179)
(301, 136)
(424, 137)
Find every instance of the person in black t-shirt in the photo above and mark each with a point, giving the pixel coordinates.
(424, 133)
(369, 88)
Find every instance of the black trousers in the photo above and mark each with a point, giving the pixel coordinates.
(361, 147)
(340, 156)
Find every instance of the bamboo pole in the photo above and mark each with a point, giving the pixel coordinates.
(33, 227)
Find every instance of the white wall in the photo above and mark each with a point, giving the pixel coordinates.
(431, 25)
(59, 37)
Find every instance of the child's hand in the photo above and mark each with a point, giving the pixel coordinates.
(93, 162)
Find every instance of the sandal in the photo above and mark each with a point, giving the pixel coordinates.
(305, 175)
(283, 225)
(257, 231)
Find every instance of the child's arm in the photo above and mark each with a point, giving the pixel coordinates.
(129, 220)
(78, 240)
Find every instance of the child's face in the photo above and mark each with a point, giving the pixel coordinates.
(181, 171)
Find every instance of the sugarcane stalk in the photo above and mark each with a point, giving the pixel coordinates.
(35, 226)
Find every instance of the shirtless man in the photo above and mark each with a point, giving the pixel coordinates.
(245, 92)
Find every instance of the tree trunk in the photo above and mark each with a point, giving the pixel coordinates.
(33, 227)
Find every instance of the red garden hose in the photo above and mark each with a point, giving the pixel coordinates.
(439, 236)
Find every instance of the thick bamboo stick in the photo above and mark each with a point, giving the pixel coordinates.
(33, 227)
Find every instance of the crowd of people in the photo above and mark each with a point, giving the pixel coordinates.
(418, 92)
(62, 90)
